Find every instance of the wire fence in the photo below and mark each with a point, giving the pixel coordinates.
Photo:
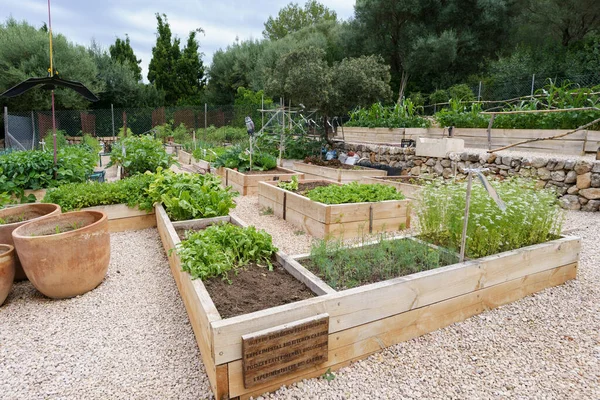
(25, 130)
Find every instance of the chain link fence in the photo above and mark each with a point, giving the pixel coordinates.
(25, 130)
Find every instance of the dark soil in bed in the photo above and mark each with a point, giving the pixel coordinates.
(305, 187)
(255, 288)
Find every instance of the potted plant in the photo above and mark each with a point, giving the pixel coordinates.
(65, 255)
(7, 270)
(13, 217)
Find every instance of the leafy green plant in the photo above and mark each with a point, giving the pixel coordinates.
(142, 153)
(209, 154)
(190, 196)
(292, 185)
(131, 191)
(532, 216)
(345, 267)
(238, 158)
(353, 192)
(404, 115)
(35, 169)
(223, 248)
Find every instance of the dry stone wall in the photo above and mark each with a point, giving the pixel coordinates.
(577, 182)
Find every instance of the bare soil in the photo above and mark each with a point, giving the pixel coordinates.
(26, 216)
(305, 187)
(255, 288)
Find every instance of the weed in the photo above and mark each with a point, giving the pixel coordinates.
(266, 211)
(299, 233)
(328, 375)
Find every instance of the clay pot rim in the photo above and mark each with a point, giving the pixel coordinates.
(6, 249)
(76, 232)
(57, 207)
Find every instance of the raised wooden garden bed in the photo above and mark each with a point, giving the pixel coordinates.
(247, 184)
(358, 321)
(337, 174)
(401, 183)
(186, 158)
(122, 218)
(323, 220)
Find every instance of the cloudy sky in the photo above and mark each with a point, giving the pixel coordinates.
(222, 20)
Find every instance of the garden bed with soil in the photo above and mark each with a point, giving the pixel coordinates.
(361, 320)
(246, 183)
(323, 220)
(186, 158)
(338, 174)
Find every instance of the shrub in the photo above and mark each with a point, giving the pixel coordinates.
(131, 191)
(190, 196)
(461, 92)
(439, 96)
(532, 216)
(222, 248)
(142, 153)
(353, 193)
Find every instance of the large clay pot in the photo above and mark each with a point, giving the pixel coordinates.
(7, 270)
(22, 215)
(65, 255)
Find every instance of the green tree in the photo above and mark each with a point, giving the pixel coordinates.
(24, 54)
(162, 70)
(359, 82)
(122, 52)
(121, 86)
(190, 72)
(293, 18)
(301, 76)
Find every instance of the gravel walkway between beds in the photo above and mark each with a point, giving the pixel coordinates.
(130, 338)
(546, 346)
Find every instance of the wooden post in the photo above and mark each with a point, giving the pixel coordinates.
(489, 131)
(282, 104)
(33, 132)
(463, 241)
(194, 138)
(205, 120)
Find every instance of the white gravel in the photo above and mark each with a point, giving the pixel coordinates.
(129, 338)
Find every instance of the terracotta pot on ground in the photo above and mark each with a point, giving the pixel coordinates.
(65, 255)
(7, 270)
(26, 213)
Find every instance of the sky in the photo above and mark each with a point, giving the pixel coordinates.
(223, 20)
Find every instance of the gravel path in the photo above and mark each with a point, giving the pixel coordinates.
(130, 338)
(546, 346)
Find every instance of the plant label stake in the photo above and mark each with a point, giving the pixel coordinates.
(491, 191)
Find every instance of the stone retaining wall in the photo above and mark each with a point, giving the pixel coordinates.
(577, 182)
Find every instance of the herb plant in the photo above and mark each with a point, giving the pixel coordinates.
(345, 267)
(131, 191)
(223, 248)
(354, 192)
(532, 216)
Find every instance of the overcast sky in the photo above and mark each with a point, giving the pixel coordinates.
(222, 20)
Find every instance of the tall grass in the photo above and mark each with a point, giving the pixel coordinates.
(532, 216)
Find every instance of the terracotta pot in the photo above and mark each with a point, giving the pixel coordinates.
(7, 270)
(29, 212)
(69, 263)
